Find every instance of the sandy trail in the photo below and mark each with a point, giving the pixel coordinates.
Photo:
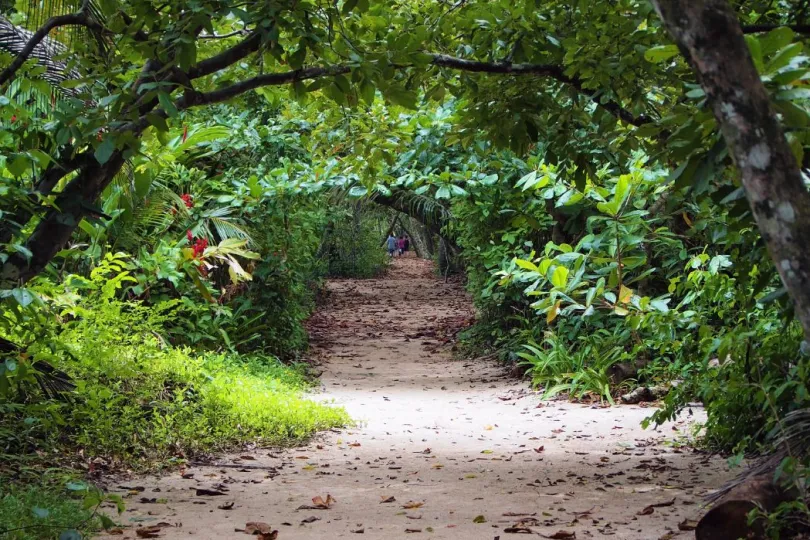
(461, 442)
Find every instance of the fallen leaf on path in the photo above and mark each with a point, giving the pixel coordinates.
(519, 514)
(323, 504)
(479, 519)
(202, 492)
(226, 506)
(651, 508)
(310, 519)
(413, 517)
(539, 449)
(261, 529)
(148, 532)
(687, 525)
(518, 529)
(354, 444)
(583, 513)
(413, 504)
(413, 530)
(248, 458)
(561, 535)
(358, 531)
(387, 499)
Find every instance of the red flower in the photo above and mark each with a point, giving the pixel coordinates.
(189, 236)
(13, 118)
(199, 247)
(188, 200)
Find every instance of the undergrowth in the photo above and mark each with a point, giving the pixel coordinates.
(43, 512)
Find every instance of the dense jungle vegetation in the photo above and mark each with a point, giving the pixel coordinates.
(619, 181)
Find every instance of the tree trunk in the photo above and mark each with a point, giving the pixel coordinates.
(709, 36)
(55, 229)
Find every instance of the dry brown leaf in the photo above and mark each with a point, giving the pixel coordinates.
(413, 504)
(147, 532)
(687, 525)
(518, 529)
(562, 535)
(539, 449)
(413, 530)
(260, 529)
(651, 508)
(321, 504)
(387, 499)
(208, 492)
(248, 458)
(226, 506)
(519, 514)
(354, 444)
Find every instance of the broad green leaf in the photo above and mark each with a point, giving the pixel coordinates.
(105, 150)
(527, 265)
(167, 104)
(400, 96)
(559, 277)
(660, 53)
(783, 57)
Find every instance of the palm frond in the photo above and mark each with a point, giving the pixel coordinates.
(228, 229)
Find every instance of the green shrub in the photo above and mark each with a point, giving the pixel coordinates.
(138, 399)
(42, 512)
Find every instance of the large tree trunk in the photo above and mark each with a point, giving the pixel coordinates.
(709, 36)
(55, 229)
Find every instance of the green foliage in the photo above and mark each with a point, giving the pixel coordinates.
(43, 512)
(353, 243)
(138, 399)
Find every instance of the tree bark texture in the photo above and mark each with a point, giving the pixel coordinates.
(56, 227)
(709, 35)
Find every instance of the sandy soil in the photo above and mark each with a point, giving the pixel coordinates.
(447, 449)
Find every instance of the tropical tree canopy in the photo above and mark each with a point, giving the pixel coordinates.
(621, 182)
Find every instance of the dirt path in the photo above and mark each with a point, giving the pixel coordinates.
(457, 441)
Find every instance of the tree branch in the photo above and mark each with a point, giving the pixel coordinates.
(223, 36)
(195, 99)
(226, 58)
(80, 18)
(544, 70)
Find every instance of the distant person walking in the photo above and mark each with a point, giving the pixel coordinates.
(392, 245)
(406, 244)
(401, 245)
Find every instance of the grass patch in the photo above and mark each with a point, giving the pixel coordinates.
(41, 512)
(140, 401)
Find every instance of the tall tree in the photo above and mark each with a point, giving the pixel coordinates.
(709, 35)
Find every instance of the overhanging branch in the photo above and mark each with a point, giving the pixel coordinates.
(80, 18)
(226, 58)
(543, 70)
